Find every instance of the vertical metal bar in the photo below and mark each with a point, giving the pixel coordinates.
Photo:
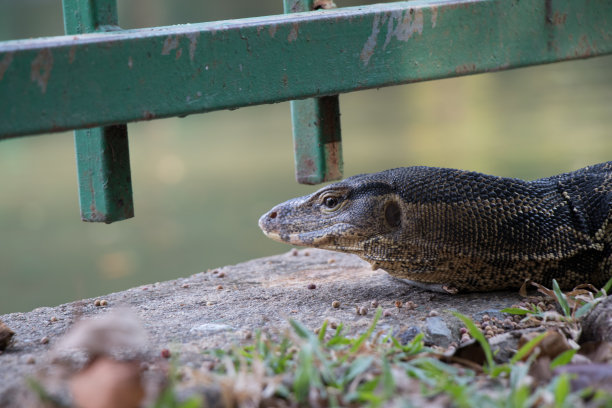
(316, 125)
(103, 159)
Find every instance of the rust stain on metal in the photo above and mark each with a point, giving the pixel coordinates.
(71, 54)
(130, 62)
(272, 30)
(333, 160)
(170, 44)
(5, 63)
(285, 80)
(368, 48)
(465, 69)
(193, 43)
(584, 48)
(148, 115)
(41, 69)
(306, 170)
(293, 34)
(434, 16)
(179, 52)
(558, 18)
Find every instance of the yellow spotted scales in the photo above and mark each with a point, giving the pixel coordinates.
(453, 230)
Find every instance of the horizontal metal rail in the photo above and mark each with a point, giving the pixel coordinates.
(80, 81)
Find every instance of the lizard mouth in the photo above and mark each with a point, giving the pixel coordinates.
(328, 236)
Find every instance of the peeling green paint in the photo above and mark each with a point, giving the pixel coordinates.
(102, 153)
(326, 58)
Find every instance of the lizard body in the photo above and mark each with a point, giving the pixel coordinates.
(455, 230)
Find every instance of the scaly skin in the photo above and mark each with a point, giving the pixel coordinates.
(455, 230)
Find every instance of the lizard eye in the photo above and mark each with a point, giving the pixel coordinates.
(393, 214)
(330, 202)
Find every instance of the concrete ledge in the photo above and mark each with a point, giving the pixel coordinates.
(222, 307)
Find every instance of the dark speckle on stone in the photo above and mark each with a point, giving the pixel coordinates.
(408, 335)
(491, 313)
(437, 332)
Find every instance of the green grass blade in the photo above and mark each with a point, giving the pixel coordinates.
(301, 330)
(561, 299)
(368, 332)
(388, 381)
(584, 310)
(527, 348)
(305, 371)
(606, 288)
(358, 366)
(515, 311)
(322, 331)
(562, 359)
(480, 338)
(561, 390)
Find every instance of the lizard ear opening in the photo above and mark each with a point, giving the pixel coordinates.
(393, 214)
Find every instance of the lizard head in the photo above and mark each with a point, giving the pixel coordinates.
(344, 216)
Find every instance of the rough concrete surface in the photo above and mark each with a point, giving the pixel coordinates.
(222, 307)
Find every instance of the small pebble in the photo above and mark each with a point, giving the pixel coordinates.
(30, 360)
(248, 335)
(185, 286)
(216, 271)
(362, 311)
(103, 302)
(165, 353)
(387, 313)
(317, 330)
(463, 330)
(410, 305)
(97, 302)
(221, 275)
(335, 304)
(374, 303)
(312, 286)
(44, 340)
(219, 287)
(465, 338)
(331, 260)
(209, 303)
(294, 252)
(333, 325)
(306, 253)
(433, 313)
(398, 304)
(486, 318)
(54, 319)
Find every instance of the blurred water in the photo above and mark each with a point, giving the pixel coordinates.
(200, 183)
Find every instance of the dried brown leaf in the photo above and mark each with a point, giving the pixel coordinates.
(107, 383)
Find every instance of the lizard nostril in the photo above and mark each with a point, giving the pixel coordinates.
(273, 214)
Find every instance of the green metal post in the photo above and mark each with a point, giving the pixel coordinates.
(316, 125)
(103, 160)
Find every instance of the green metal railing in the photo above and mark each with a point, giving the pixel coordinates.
(98, 77)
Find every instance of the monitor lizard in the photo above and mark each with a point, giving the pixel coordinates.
(455, 231)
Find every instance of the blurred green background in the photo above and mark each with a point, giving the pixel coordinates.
(201, 183)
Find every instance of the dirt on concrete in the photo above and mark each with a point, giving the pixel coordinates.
(225, 306)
